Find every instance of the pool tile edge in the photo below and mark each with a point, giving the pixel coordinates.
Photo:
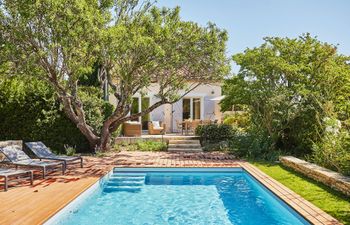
(306, 209)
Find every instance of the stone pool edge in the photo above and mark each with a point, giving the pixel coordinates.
(306, 209)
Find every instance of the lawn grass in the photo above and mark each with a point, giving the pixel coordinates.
(330, 201)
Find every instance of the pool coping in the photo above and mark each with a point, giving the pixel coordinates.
(307, 210)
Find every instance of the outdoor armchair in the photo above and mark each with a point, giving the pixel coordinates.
(156, 127)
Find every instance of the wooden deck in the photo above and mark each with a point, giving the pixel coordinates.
(24, 204)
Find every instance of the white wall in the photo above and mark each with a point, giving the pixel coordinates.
(170, 113)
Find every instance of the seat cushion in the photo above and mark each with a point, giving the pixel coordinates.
(156, 124)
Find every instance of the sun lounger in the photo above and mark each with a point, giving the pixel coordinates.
(7, 173)
(43, 152)
(17, 157)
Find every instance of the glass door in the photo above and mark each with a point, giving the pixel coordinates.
(196, 108)
(191, 108)
(186, 108)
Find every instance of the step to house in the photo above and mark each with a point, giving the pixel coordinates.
(184, 146)
(188, 141)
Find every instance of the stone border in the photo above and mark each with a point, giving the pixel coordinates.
(328, 177)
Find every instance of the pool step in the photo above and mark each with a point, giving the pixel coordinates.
(116, 179)
(128, 182)
(116, 172)
(125, 183)
(121, 188)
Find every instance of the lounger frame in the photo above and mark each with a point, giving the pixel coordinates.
(15, 173)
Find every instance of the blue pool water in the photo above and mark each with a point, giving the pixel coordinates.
(182, 198)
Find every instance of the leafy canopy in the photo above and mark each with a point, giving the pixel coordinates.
(131, 43)
(289, 86)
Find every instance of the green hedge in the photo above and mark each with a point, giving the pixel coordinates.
(29, 112)
(215, 132)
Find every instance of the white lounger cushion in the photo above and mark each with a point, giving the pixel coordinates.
(156, 124)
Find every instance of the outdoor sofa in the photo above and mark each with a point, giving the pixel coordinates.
(132, 129)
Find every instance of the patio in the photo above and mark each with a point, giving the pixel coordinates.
(48, 196)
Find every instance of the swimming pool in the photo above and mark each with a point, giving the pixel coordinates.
(219, 196)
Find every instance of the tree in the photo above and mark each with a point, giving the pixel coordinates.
(289, 86)
(135, 46)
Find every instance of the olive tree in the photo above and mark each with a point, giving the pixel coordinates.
(134, 43)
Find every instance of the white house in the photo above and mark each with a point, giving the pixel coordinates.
(201, 103)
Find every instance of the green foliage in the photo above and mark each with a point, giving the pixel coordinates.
(222, 146)
(70, 151)
(330, 201)
(96, 109)
(153, 146)
(289, 86)
(240, 121)
(333, 151)
(31, 113)
(160, 45)
(215, 132)
(131, 43)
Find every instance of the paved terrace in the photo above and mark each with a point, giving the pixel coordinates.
(24, 204)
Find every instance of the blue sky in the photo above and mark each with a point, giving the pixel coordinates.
(248, 21)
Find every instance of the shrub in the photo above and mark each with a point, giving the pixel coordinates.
(215, 132)
(151, 146)
(240, 120)
(96, 109)
(30, 112)
(219, 146)
(333, 152)
(70, 151)
(142, 146)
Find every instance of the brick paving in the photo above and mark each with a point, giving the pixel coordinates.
(174, 159)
